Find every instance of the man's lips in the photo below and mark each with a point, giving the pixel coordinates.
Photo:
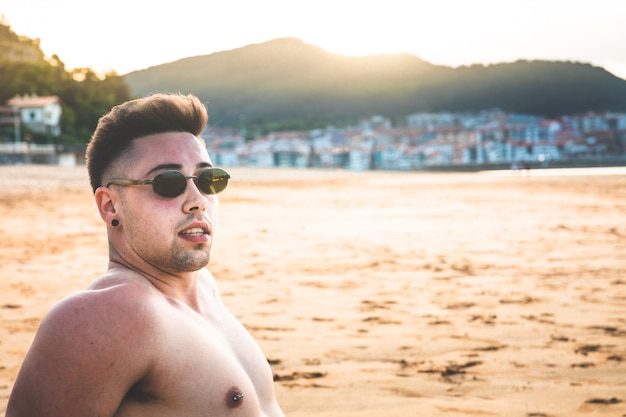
(197, 232)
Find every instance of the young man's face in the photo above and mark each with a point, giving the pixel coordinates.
(173, 234)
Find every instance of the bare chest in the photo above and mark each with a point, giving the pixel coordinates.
(202, 367)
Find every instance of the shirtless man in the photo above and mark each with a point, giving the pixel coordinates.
(151, 337)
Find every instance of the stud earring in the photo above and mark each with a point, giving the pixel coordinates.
(115, 223)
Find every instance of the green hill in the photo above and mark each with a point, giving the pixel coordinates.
(287, 79)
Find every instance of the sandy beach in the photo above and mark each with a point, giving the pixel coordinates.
(376, 293)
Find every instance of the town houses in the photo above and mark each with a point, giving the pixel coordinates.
(434, 140)
(421, 141)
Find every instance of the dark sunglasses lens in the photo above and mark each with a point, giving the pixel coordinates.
(213, 181)
(169, 184)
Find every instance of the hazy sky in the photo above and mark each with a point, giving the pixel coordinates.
(126, 35)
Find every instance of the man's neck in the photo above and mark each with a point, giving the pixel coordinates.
(182, 286)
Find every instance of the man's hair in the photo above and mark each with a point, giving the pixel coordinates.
(157, 113)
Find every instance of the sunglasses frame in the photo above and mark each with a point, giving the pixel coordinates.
(222, 175)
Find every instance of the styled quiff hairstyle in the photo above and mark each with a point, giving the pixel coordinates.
(157, 113)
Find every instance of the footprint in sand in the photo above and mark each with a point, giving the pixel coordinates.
(601, 405)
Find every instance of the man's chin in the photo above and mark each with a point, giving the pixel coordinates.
(192, 262)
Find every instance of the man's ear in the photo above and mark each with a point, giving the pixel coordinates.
(106, 200)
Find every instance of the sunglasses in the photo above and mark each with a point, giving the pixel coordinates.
(171, 184)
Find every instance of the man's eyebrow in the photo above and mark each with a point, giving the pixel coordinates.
(165, 166)
(177, 167)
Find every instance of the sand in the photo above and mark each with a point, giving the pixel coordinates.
(376, 293)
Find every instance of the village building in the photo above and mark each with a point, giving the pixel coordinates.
(39, 114)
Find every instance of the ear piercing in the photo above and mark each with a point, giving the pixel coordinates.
(115, 223)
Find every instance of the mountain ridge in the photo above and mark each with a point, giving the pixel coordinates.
(289, 83)
(288, 79)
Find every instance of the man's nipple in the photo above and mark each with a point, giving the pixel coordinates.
(234, 397)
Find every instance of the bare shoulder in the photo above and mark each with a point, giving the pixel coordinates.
(102, 320)
(116, 306)
(94, 344)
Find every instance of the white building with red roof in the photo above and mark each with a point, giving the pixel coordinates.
(40, 114)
